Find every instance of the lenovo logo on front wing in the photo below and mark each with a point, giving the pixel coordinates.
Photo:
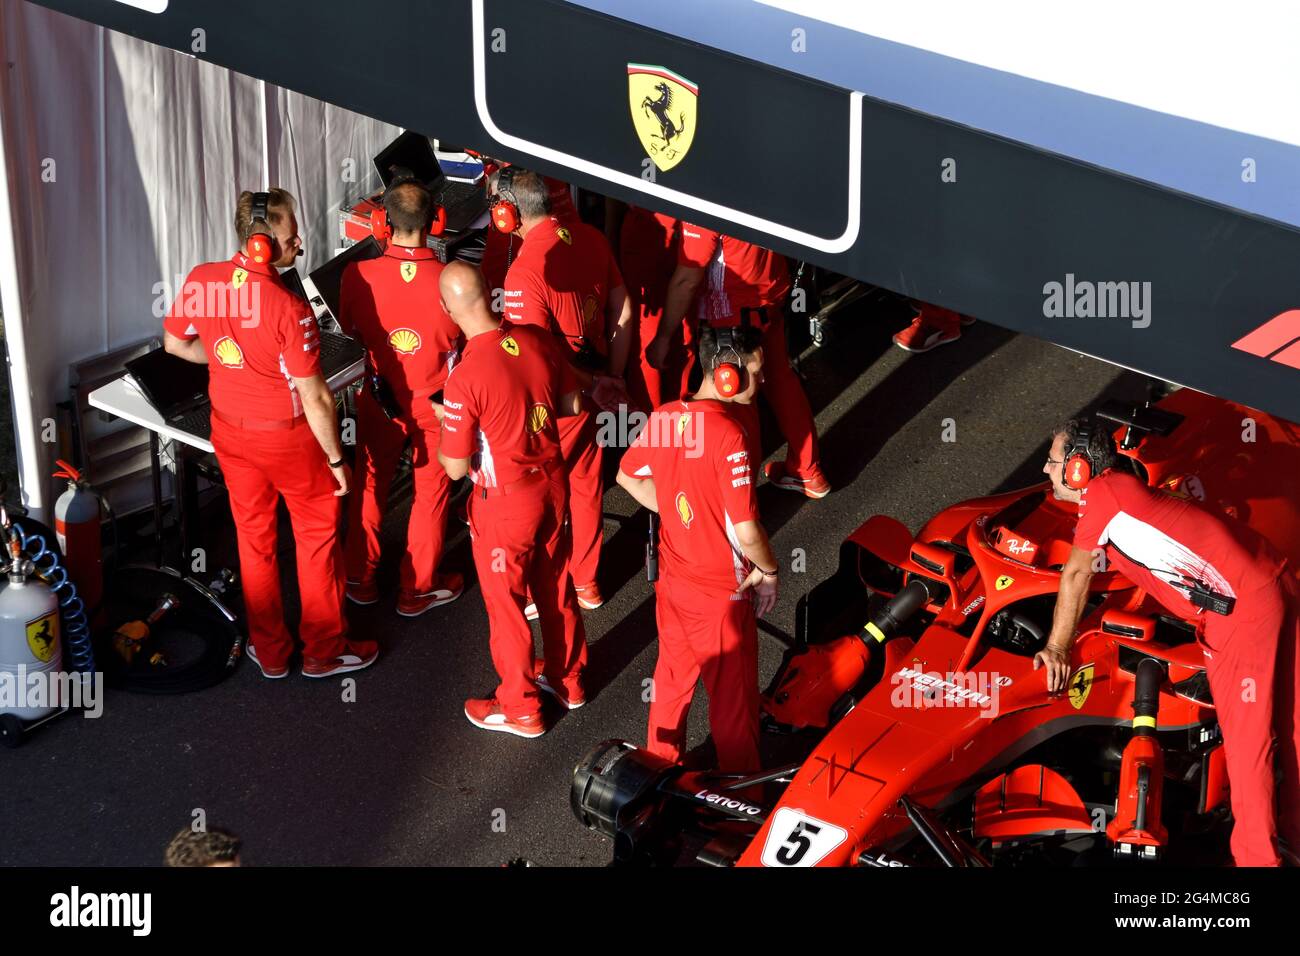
(1275, 340)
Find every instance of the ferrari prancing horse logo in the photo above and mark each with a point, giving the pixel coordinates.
(1003, 582)
(664, 107)
(510, 345)
(1080, 686)
(408, 271)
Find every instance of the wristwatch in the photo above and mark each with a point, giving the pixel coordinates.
(336, 464)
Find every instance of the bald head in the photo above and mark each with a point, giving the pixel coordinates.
(464, 297)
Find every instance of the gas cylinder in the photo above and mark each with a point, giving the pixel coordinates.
(77, 525)
(29, 645)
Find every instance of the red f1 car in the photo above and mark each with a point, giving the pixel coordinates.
(935, 740)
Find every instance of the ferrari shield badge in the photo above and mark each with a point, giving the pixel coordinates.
(510, 345)
(408, 271)
(664, 108)
(1080, 686)
(1004, 581)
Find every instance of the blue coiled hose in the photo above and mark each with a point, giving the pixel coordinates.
(76, 628)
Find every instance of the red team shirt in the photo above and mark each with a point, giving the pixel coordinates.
(392, 303)
(502, 248)
(1160, 542)
(561, 281)
(500, 402)
(257, 334)
(740, 274)
(701, 497)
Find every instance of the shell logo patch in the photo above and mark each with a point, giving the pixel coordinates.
(684, 510)
(43, 636)
(228, 352)
(565, 236)
(408, 271)
(589, 306)
(405, 341)
(238, 277)
(510, 345)
(1080, 686)
(538, 416)
(1004, 581)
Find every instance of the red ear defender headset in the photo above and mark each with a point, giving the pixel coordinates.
(380, 226)
(505, 211)
(1078, 460)
(727, 376)
(261, 245)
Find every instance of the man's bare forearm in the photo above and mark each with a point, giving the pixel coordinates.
(1070, 602)
(319, 410)
(642, 490)
(754, 544)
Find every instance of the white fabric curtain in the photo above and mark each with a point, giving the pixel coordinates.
(123, 161)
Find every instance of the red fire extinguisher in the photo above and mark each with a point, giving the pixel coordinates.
(77, 524)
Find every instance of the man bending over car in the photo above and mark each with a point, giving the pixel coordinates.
(1207, 568)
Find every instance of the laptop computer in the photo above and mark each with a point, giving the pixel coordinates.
(177, 389)
(337, 351)
(464, 202)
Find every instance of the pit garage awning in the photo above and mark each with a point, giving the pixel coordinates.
(1119, 181)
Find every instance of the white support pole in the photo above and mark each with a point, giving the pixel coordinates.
(31, 469)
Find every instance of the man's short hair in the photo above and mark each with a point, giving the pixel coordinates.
(279, 207)
(745, 341)
(205, 848)
(409, 206)
(1101, 446)
(528, 190)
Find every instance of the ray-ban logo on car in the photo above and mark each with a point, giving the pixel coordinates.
(1277, 340)
(149, 6)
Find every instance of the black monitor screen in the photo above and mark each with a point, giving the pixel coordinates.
(329, 277)
(409, 151)
(293, 282)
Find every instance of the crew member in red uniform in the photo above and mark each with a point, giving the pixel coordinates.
(499, 425)
(717, 572)
(931, 327)
(275, 433)
(1198, 565)
(503, 247)
(646, 246)
(392, 305)
(565, 281)
(739, 283)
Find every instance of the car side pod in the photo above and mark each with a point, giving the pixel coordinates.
(1136, 831)
(821, 683)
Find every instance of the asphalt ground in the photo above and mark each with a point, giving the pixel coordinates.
(398, 776)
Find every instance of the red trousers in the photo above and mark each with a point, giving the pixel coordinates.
(714, 638)
(647, 258)
(784, 392)
(1250, 659)
(259, 468)
(520, 544)
(582, 457)
(379, 448)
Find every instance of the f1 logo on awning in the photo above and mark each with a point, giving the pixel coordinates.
(1275, 340)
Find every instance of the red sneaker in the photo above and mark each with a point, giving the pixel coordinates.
(271, 673)
(446, 588)
(920, 337)
(486, 713)
(589, 596)
(968, 320)
(571, 700)
(813, 485)
(362, 592)
(357, 655)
